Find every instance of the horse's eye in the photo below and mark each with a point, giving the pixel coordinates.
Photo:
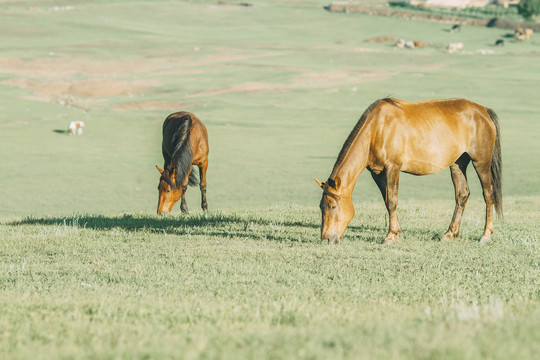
(168, 191)
(332, 207)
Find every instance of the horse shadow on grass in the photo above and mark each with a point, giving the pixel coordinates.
(217, 224)
(204, 224)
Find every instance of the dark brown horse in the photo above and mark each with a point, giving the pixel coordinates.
(418, 138)
(185, 143)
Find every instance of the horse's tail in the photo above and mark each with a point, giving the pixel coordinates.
(182, 157)
(496, 166)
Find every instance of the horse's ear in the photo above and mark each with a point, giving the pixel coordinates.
(337, 182)
(321, 184)
(159, 169)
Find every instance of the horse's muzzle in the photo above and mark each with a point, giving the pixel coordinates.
(331, 239)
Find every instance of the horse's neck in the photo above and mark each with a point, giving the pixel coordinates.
(353, 163)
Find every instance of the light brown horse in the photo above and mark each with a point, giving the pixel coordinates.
(418, 138)
(185, 143)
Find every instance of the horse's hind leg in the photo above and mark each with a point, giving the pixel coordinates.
(202, 183)
(458, 170)
(483, 169)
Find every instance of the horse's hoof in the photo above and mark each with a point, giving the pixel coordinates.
(484, 240)
(390, 239)
(448, 238)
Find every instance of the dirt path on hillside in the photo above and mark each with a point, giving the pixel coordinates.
(82, 82)
(304, 80)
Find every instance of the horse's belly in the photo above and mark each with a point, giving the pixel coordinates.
(424, 167)
(426, 155)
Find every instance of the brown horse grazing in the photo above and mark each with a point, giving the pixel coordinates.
(185, 143)
(418, 138)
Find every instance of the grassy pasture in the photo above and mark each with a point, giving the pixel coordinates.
(88, 271)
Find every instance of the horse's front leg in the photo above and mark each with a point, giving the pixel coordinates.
(392, 181)
(388, 183)
(183, 203)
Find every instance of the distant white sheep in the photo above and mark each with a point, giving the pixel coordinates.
(453, 47)
(402, 43)
(75, 127)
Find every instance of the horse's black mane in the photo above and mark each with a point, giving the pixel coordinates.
(356, 130)
(181, 158)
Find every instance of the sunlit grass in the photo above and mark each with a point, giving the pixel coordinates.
(243, 284)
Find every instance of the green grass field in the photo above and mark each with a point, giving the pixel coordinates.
(87, 270)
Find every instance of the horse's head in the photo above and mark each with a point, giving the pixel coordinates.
(169, 193)
(337, 210)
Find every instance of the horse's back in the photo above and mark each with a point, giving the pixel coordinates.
(454, 119)
(199, 141)
(172, 127)
(198, 135)
(175, 120)
(451, 112)
(425, 137)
